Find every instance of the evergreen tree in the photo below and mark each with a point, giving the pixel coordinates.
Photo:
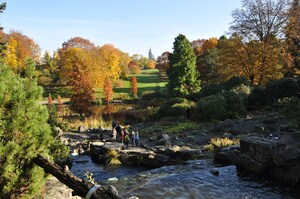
(24, 133)
(2, 43)
(183, 76)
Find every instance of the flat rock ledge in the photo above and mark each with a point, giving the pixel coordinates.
(155, 157)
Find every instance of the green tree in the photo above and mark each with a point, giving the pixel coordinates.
(24, 133)
(208, 66)
(183, 76)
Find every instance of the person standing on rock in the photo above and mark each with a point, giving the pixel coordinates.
(137, 138)
(123, 136)
(118, 129)
(133, 138)
(127, 138)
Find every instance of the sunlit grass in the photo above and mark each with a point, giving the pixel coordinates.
(148, 80)
(113, 158)
(220, 143)
(172, 128)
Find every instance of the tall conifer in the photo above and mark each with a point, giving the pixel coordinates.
(183, 76)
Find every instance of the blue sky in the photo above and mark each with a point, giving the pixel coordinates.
(133, 26)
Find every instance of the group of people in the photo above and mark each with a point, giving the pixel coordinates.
(123, 136)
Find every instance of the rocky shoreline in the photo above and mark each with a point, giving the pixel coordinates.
(166, 146)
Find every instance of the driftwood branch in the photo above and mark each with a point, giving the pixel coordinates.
(79, 186)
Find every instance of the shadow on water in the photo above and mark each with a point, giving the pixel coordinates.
(194, 180)
(83, 163)
(191, 180)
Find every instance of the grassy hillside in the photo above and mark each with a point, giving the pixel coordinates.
(148, 80)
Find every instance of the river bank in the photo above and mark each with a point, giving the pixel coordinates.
(260, 125)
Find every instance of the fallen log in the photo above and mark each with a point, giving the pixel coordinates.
(80, 187)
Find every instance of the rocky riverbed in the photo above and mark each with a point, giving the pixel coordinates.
(264, 126)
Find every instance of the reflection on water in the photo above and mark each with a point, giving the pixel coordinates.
(191, 180)
(83, 163)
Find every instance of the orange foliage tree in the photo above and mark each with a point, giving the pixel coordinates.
(50, 100)
(19, 48)
(59, 102)
(134, 86)
(83, 93)
(134, 67)
(108, 90)
(77, 71)
(209, 44)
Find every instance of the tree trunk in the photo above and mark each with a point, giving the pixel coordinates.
(79, 186)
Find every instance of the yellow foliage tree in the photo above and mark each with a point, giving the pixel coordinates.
(151, 64)
(11, 54)
(209, 44)
(110, 61)
(255, 60)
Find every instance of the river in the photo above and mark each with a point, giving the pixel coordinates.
(191, 180)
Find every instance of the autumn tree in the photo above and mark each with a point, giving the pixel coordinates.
(150, 64)
(108, 90)
(60, 103)
(77, 71)
(124, 61)
(134, 67)
(133, 86)
(110, 61)
(24, 47)
(254, 50)
(50, 100)
(292, 32)
(78, 42)
(209, 44)
(183, 76)
(11, 54)
(163, 63)
(197, 46)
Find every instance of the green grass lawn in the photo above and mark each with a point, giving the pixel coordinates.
(148, 80)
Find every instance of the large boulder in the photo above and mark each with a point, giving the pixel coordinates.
(269, 157)
(260, 149)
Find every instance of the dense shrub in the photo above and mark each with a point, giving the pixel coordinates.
(235, 82)
(149, 95)
(175, 107)
(157, 102)
(242, 89)
(235, 104)
(210, 108)
(210, 89)
(273, 92)
(219, 107)
(257, 98)
(292, 111)
(180, 109)
(285, 87)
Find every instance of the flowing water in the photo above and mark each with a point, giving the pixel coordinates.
(191, 180)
